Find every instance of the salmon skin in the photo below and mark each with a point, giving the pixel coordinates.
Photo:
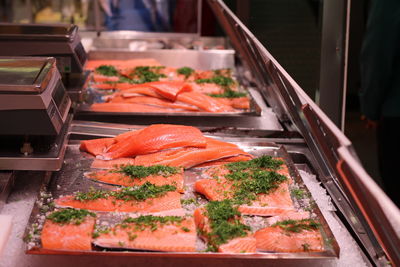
(169, 233)
(74, 233)
(220, 225)
(158, 137)
(146, 198)
(120, 176)
(272, 198)
(290, 236)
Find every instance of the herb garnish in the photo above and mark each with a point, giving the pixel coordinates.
(229, 94)
(185, 71)
(220, 80)
(145, 191)
(266, 162)
(73, 216)
(140, 193)
(144, 74)
(150, 221)
(259, 182)
(142, 171)
(224, 222)
(107, 70)
(252, 177)
(297, 226)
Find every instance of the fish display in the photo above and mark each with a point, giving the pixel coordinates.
(155, 88)
(141, 199)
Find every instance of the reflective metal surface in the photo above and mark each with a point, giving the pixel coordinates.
(11, 31)
(25, 74)
(201, 60)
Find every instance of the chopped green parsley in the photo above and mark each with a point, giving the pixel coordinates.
(143, 192)
(186, 71)
(73, 216)
(220, 80)
(225, 223)
(150, 221)
(229, 94)
(107, 70)
(140, 193)
(297, 226)
(142, 171)
(144, 74)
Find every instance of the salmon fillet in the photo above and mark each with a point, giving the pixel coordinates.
(128, 107)
(96, 146)
(69, 235)
(238, 102)
(204, 102)
(152, 101)
(199, 156)
(170, 89)
(177, 235)
(115, 177)
(100, 200)
(158, 137)
(243, 243)
(276, 239)
(274, 201)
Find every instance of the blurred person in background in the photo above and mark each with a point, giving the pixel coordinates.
(380, 88)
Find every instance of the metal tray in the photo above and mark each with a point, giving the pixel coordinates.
(95, 96)
(71, 179)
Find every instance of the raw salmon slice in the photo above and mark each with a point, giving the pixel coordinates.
(100, 200)
(158, 234)
(170, 89)
(155, 158)
(203, 102)
(274, 203)
(96, 146)
(276, 239)
(199, 156)
(219, 187)
(243, 243)
(152, 101)
(238, 103)
(109, 164)
(206, 88)
(115, 177)
(128, 107)
(73, 235)
(158, 137)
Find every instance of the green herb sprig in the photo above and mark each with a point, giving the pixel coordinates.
(186, 71)
(107, 70)
(224, 222)
(297, 226)
(143, 171)
(73, 216)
